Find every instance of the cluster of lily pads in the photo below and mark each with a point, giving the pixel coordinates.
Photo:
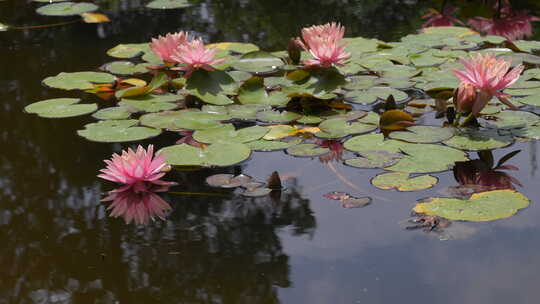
(262, 101)
(68, 8)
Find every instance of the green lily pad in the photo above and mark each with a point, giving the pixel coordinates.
(178, 120)
(277, 117)
(211, 87)
(423, 134)
(533, 100)
(374, 159)
(309, 119)
(246, 112)
(477, 140)
(126, 68)
(340, 127)
(49, 1)
(219, 154)
(258, 62)
(168, 4)
(60, 108)
(151, 103)
(112, 113)
(427, 158)
(527, 46)
(403, 182)
(253, 92)
(523, 92)
(272, 145)
(66, 9)
(318, 83)
(257, 192)
(235, 47)
(484, 206)
(532, 133)
(227, 134)
(77, 80)
(239, 76)
(360, 83)
(513, 119)
(371, 95)
(375, 142)
(307, 150)
(117, 131)
(128, 50)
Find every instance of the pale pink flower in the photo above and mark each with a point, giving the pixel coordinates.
(194, 55)
(489, 76)
(139, 207)
(436, 18)
(164, 47)
(324, 42)
(511, 24)
(138, 170)
(464, 97)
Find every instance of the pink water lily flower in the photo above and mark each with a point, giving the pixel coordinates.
(324, 43)
(489, 76)
(138, 170)
(193, 55)
(139, 207)
(436, 18)
(164, 46)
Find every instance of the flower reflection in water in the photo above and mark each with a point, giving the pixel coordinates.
(336, 150)
(444, 18)
(479, 175)
(139, 207)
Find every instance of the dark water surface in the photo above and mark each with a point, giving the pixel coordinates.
(59, 245)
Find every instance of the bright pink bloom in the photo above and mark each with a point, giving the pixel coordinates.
(164, 47)
(324, 42)
(139, 207)
(435, 18)
(194, 55)
(139, 170)
(489, 76)
(512, 24)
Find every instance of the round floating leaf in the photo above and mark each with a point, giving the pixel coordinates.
(168, 4)
(423, 134)
(513, 119)
(360, 83)
(375, 142)
(177, 120)
(533, 100)
(77, 80)
(371, 95)
(126, 68)
(257, 192)
(307, 150)
(66, 9)
(220, 154)
(532, 132)
(484, 206)
(60, 108)
(227, 134)
(258, 62)
(309, 119)
(427, 158)
(117, 131)
(246, 112)
(374, 159)
(236, 47)
(477, 140)
(340, 127)
(151, 102)
(239, 76)
(227, 180)
(272, 145)
(253, 91)
(112, 113)
(320, 83)
(211, 87)
(523, 92)
(403, 182)
(277, 117)
(129, 50)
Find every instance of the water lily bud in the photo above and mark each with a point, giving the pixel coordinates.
(294, 51)
(464, 97)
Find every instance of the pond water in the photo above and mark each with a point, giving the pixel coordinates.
(59, 245)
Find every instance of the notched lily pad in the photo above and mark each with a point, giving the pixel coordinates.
(258, 62)
(112, 113)
(227, 133)
(423, 134)
(60, 108)
(427, 158)
(403, 182)
(307, 150)
(228, 180)
(219, 154)
(117, 131)
(277, 117)
(78, 80)
(484, 206)
(129, 50)
(126, 68)
(374, 159)
(476, 140)
(66, 9)
(512, 119)
(168, 4)
(272, 145)
(178, 120)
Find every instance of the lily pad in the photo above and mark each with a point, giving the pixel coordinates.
(477, 140)
(427, 158)
(126, 68)
(403, 182)
(374, 159)
(257, 192)
(307, 150)
(277, 117)
(423, 134)
(246, 112)
(211, 87)
(117, 131)
(272, 145)
(178, 120)
(227, 180)
(375, 142)
(513, 119)
(77, 80)
(258, 62)
(128, 50)
(112, 113)
(66, 9)
(236, 47)
(253, 92)
(373, 94)
(151, 102)
(484, 206)
(219, 154)
(227, 134)
(340, 127)
(60, 108)
(168, 4)
(317, 83)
